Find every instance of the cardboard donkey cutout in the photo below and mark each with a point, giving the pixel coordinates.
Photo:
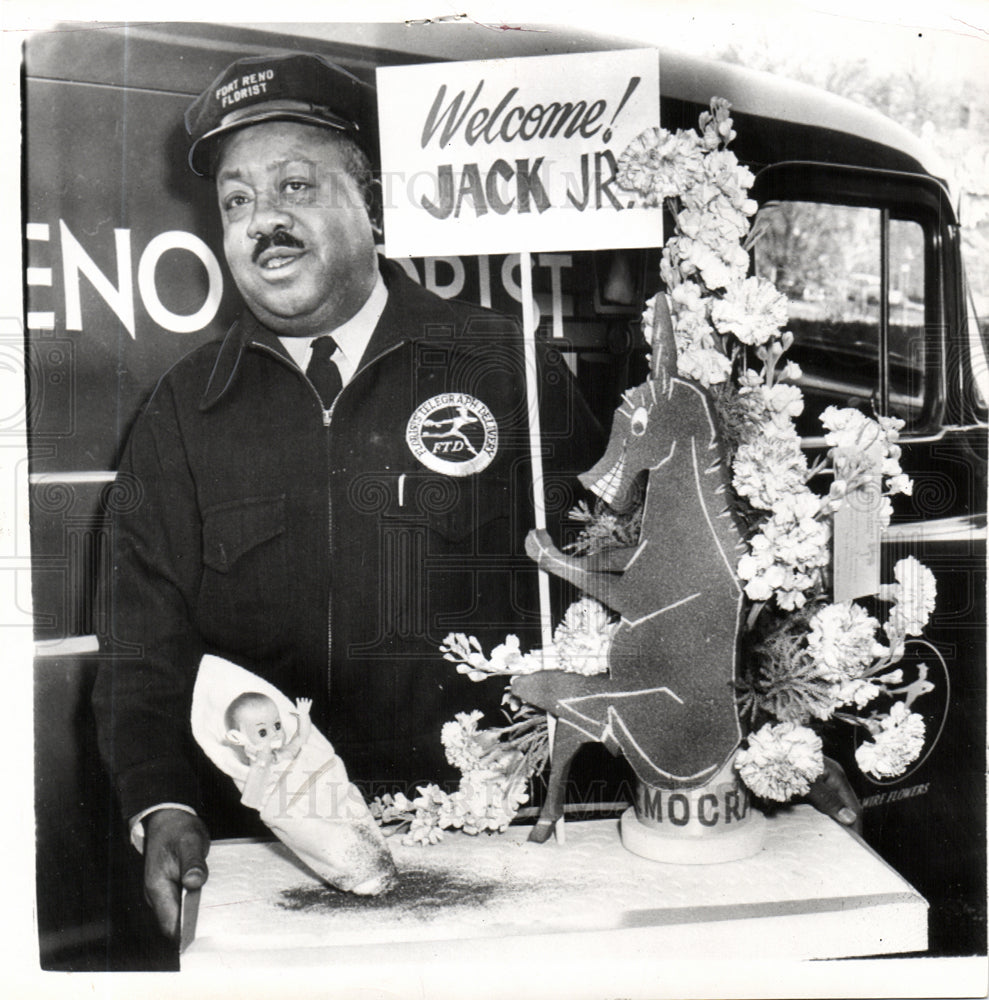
(668, 700)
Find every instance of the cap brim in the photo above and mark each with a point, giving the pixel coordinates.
(201, 151)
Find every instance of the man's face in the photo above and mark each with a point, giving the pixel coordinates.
(261, 725)
(296, 232)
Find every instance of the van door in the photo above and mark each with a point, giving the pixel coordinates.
(870, 263)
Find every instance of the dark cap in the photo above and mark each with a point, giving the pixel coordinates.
(302, 87)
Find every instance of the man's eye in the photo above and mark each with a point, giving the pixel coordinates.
(234, 201)
(295, 187)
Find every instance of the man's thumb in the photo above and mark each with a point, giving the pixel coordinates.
(833, 796)
(192, 863)
(825, 798)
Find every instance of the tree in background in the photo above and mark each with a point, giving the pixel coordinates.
(946, 112)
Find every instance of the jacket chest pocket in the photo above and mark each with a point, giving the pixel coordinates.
(243, 601)
(232, 532)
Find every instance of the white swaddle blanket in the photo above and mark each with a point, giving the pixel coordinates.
(308, 802)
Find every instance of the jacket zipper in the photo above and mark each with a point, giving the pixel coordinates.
(327, 420)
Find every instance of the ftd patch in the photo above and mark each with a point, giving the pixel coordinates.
(453, 433)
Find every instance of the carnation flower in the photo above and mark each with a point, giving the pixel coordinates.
(752, 310)
(915, 593)
(780, 761)
(842, 641)
(898, 739)
(459, 740)
(642, 161)
(658, 164)
(704, 365)
(583, 639)
(767, 467)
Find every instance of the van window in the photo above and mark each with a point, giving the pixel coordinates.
(828, 260)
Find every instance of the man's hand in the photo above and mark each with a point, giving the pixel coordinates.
(175, 847)
(833, 796)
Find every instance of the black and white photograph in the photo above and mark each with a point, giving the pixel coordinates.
(495, 499)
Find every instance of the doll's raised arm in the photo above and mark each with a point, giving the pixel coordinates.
(302, 709)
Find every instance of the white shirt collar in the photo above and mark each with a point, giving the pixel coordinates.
(352, 337)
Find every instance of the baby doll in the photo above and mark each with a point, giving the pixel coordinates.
(254, 725)
(294, 779)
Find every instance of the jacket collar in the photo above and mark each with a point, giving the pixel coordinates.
(400, 322)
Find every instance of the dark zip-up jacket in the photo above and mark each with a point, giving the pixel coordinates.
(317, 550)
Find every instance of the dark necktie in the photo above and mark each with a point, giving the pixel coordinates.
(323, 372)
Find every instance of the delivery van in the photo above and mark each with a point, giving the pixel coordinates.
(124, 275)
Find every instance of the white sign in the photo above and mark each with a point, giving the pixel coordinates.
(503, 155)
(857, 529)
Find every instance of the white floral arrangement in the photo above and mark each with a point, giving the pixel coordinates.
(813, 660)
(495, 765)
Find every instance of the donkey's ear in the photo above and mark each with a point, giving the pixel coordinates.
(664, 350)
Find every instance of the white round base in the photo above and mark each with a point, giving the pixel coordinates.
(648, 842)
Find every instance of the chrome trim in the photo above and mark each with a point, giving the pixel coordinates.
(966, 528)
(42, 478)
(73, 645)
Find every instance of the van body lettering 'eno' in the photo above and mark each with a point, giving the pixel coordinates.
(668, 700)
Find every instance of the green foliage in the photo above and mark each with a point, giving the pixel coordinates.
(780, 680)
(604, 528)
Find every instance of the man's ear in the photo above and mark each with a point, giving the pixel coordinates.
(235, 738)
(375, 209)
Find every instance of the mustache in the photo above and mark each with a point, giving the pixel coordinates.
(278, 238)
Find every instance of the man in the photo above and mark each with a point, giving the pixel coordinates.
(322, 511)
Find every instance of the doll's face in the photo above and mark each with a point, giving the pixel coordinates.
(261, 725)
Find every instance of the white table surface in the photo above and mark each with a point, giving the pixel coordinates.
(587, 908)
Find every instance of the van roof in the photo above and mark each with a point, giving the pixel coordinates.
(765, 95)
(826, 128)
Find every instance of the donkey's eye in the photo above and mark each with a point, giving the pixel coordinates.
(640, 420)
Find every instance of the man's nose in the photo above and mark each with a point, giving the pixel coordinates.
(269, 214)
